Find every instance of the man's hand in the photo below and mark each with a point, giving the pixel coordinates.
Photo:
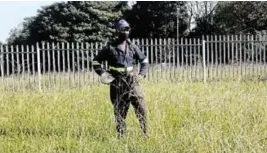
(139, 78)
(106, 78)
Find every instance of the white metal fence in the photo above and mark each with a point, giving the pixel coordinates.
(68, 65)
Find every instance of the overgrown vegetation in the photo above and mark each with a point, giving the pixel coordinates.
(184, 117)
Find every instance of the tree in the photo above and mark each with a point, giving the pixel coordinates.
(244, 17)
(198, 10)
(233, 18)
(201, 15)
(19, 34)
(72, 21)
(157, 19)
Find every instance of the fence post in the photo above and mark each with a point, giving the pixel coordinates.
(39, 67)
(2, 65)
(204, 61)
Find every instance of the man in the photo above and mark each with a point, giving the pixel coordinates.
(121, 56)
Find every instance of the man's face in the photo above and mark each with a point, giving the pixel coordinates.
(123, 33)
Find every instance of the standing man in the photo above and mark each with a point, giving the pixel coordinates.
(121, 56)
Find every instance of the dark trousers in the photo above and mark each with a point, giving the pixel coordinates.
(123, 92)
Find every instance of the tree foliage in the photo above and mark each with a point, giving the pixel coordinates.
(240, 17)
(20, 34)
(233, 17)
(157, 19)
(93, 21)
(200, 10)
(201, 16)
(71, 21)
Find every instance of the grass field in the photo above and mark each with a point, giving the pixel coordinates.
(183, 117)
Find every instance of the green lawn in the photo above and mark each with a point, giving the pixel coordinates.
(185, 117)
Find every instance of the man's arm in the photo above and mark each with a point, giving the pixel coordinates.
(143, 60)
(98, 59)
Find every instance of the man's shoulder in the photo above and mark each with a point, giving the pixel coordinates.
(109, 45)
(132, 44)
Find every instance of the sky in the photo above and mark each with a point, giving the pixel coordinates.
(12, 14)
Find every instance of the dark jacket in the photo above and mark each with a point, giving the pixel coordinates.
(115, 57)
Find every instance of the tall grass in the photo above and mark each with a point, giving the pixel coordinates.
(182, 117)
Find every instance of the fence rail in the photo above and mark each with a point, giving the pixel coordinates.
(53, 65)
